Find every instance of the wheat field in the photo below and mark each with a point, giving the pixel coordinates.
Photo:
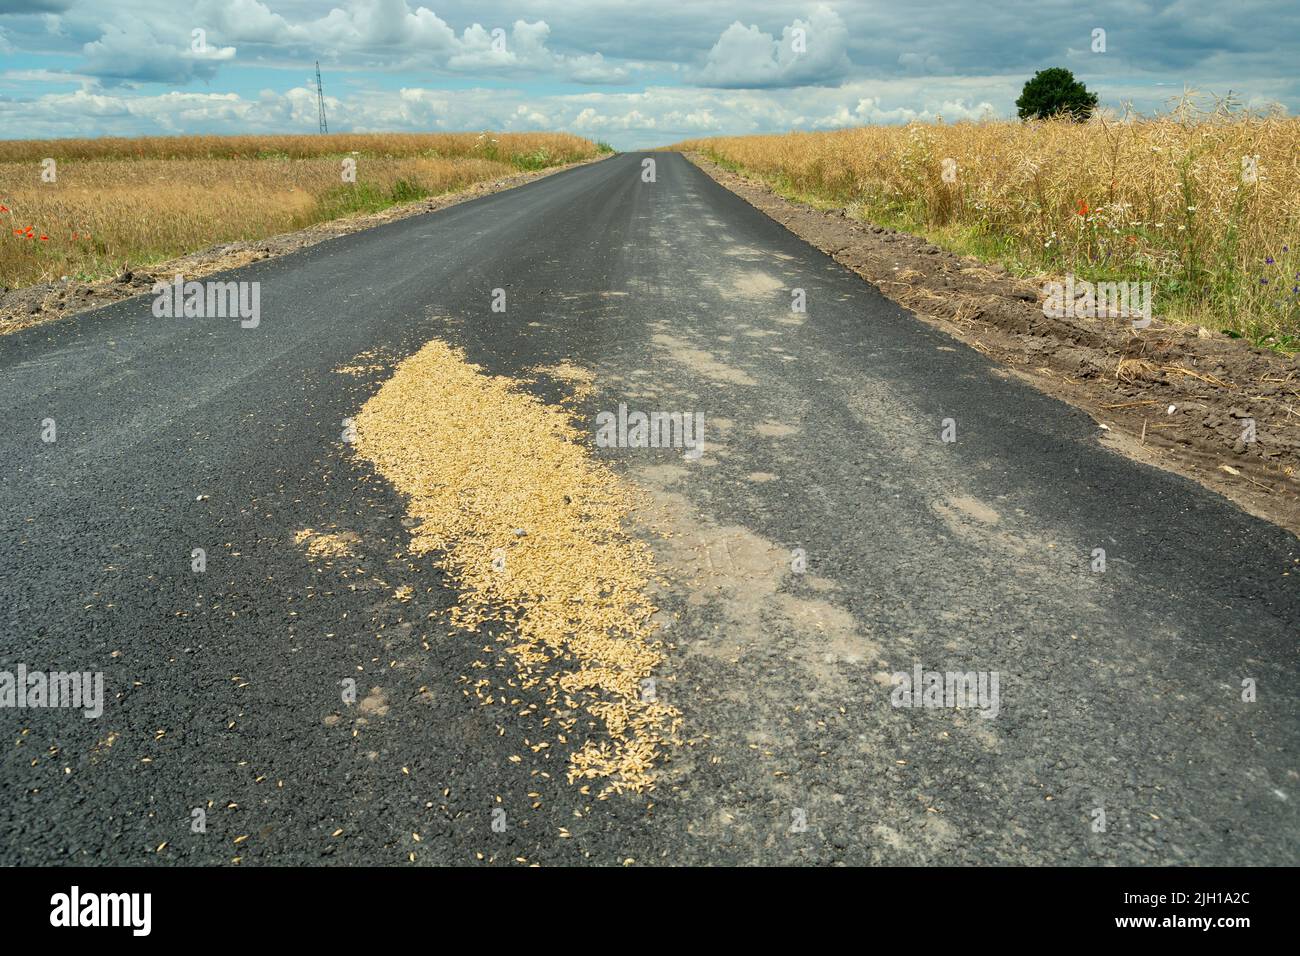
(1203, 204)
(133, 202)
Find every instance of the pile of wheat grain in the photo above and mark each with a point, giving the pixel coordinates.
(534, 534)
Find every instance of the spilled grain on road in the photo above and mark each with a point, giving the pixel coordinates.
(533, 532)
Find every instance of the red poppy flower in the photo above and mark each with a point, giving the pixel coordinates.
(1083, 208)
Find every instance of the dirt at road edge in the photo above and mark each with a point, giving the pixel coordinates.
(49, 301)
(1178, 397)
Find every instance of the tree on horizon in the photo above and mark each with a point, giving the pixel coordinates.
(1053, 92)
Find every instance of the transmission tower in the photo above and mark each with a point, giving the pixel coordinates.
(320, 101)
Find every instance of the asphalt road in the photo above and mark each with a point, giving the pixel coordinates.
(1121, 734)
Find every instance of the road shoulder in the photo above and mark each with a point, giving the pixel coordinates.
(50, 301)
(1217, 410)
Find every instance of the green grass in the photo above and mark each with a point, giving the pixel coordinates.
(531, 162)
(364, 197)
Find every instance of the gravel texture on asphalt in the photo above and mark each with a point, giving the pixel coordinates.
(824, 540)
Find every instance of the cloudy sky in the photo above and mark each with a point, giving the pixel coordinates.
(632, 72)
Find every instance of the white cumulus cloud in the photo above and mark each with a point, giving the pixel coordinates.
(812, 51)
(131, 52)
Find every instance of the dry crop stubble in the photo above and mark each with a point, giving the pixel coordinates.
(562, 147)
(117, 202)
(1203, 204)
